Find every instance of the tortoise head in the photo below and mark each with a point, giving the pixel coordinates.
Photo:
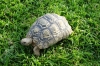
(26, 41)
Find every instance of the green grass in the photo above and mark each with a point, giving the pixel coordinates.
(82, 48)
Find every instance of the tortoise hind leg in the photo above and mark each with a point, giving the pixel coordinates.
(36, 51)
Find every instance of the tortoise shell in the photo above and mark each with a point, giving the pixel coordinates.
(48, 30)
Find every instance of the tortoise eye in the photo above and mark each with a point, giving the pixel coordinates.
(24, 42)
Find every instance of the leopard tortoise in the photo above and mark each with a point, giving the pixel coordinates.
(46, 31)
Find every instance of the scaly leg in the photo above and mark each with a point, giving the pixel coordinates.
(36, 51)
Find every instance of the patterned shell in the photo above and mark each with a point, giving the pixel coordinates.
(49, 29)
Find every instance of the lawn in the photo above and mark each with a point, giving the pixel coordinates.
(82, 48)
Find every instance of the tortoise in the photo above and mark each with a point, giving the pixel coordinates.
(46, 31)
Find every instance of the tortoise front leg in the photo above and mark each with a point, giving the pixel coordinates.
(36, 51)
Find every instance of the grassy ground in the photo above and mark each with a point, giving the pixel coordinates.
(82, 48)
